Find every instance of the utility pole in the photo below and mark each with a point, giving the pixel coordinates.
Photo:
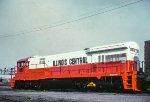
(4, 71)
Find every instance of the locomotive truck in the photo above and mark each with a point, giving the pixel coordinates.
(114, 66)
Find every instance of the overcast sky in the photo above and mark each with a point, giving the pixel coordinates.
(44, 27)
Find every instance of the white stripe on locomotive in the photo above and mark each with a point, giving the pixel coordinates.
(113, 52)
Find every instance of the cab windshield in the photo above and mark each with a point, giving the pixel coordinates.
(22, 64)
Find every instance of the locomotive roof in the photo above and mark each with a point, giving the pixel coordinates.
(98, 48)
(113, 46)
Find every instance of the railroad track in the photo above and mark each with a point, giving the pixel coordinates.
(35, 96)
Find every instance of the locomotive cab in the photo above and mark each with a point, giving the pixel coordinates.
(22, 64)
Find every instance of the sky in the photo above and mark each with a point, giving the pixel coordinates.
(45, 27)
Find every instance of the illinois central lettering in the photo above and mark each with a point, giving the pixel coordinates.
(70, 61)
(60, 62)
(80, 60)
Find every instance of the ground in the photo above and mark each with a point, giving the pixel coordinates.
(9, 95)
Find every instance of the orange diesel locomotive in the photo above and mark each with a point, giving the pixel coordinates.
(112, 66)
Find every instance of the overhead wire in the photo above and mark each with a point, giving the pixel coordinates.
(94, 13)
